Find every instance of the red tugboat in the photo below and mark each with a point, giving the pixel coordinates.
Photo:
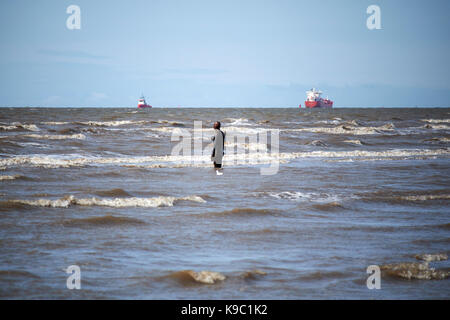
(142, 104)
(313, 100)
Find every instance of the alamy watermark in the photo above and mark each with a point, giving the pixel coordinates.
(73, 22)
(374, 280)
(74, 280)
(373, 22)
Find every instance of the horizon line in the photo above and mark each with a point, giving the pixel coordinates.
(219, 107)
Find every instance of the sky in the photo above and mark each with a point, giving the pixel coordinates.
(244, 53)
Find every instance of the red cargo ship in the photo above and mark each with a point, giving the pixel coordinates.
(314, 100)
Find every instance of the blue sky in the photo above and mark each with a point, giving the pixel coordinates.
(224, 53)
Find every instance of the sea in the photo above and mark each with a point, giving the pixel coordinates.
(121, 203)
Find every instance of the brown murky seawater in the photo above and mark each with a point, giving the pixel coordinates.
(101, 189)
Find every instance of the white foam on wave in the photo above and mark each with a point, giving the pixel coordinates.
(161, 121)
(335, 121)
(18, 125)
(358, 142)
(148, 161)
(252, 158)
(414, 270)
(226, 129)
(369, 154)
(436, 120)
(245, 130)
(168, 165)
(304, 196)
(9, 177)
(238, 122)
(348, 129)
(26, 144)
(54, 123)
(425, 157)
(426, 197)
(152, 135)
(78, 136)
(111, 123)
(116, 202)
(431, 257)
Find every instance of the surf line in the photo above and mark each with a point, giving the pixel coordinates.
(198, 310)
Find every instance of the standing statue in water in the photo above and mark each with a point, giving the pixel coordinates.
(219, 147)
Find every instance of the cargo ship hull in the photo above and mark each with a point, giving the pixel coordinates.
(314, 100)
(319, 104)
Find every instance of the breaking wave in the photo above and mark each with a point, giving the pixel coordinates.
(78, 136)
(202, 161)
(19, 126)
(238, 122)
(116, 202)
(253, 274)
(301, 196)
(190, 277)
(425, 197)
(110, 123)
(436, 120)
(10, 177)
(357, 142)
(401, 153)
(187, 277)
(414, 270)
(229, 130)
(431, 257)
(318, 143)
(411, 196)
(149, 161)
(349, 129)
(54, 123)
